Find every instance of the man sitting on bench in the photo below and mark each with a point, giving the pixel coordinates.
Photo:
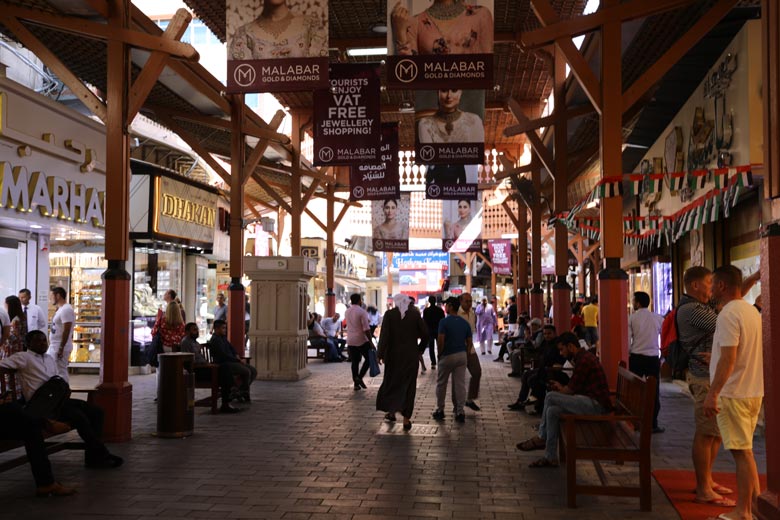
(547, 366)
(36, 367)
(190, 344)
(18, 425)
(222, 353)
(586, 394)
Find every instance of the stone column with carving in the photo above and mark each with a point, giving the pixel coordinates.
(277, 331)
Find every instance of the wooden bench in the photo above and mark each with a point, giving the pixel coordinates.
(210, 380)
(319, 349)
(622, 437)
(8, 383)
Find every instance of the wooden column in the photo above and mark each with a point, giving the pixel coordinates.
(537, 295)
(330, 253)
(769, 500)
(236, 292)
(613, 281)
(469, 267)
(522, 259)
(295, 186)
(561, 288)
(114, 393)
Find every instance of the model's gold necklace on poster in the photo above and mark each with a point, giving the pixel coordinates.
(446, 11)
(449, 119)
(275, 27)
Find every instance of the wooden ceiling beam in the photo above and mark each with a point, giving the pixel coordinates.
(271, 192)
(154, 66)
(579, 25)
(85, 95)
(533, 124)
(676, 52)
(533, 138)
(315, 219)
(343, 212)
(197, 147)
(579, 67)
(514, 172)
(101, 31)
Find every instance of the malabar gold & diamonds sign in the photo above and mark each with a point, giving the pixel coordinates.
(440, 44)
(381, 180)
(462, 225)
(449, 126)
(276, 45)
(390, 223)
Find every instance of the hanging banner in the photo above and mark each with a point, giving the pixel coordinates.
(449, 126)
(501, 256)
(347, 116)
(440, 45)
(451, 181)
(390, 221)
(378, 181)
(548, 257)
(278, 46)
(462, 226)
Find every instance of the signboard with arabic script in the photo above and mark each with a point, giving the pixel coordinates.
(347, 116)
(378, 181)
(276, 46)
(440, 44)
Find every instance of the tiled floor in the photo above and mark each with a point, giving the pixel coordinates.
(317, 449)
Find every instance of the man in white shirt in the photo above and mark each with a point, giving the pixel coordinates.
(61, 331)
(737, 382)
(36, 366)
(644, 359)
(332, 328)
(36, 317)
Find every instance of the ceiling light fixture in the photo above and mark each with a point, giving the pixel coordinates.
(367, 51)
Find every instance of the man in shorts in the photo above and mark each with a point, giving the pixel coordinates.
(736, 383)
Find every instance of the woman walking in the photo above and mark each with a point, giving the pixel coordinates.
(403, 335)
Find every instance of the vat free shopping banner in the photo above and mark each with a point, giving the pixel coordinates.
(347, 117)
(450, 126)
(462, 226)
(277, 46)
(451, 181)
(501, 256)
(390, 221)
(440, 44)
(382, 180)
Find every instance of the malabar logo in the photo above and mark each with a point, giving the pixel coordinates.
(427, 153)
(359, 192)
(378, 244)
(244, 75)
(406, 71)
(326, 154)
(434, 191)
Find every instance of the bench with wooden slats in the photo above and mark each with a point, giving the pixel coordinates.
(207, 376)
(8, 383)
(622, 437)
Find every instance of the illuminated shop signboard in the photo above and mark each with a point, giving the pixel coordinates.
(184, 211)
(53, 197)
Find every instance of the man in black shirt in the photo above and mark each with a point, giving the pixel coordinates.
(432, 315)
(223, 354)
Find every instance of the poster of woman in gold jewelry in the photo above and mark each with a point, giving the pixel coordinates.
(456, 36)
(450, 128)
(294, 33)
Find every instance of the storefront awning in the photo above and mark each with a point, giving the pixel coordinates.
(349, 284)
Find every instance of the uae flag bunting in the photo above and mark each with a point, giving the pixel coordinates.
(628, 224)
(714, 214)
(699, 179)
(707, 211)
(636, 184)
(655, 182)
(721, 176)
(676, 181)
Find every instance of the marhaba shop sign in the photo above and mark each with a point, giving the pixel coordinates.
(49, 167)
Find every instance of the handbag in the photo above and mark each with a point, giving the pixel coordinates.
(154, 348)
(373, 364)
(48, 399)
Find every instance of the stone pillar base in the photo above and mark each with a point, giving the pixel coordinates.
(278, 332)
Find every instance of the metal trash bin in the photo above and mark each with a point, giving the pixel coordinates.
(176, 395)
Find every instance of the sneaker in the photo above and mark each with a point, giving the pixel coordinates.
(438, 415)
(461, 418)
(474, 406)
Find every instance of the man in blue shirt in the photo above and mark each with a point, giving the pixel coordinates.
(454, 342)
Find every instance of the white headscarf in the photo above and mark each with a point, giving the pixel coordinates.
(402, 302)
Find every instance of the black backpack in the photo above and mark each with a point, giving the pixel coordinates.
(48, 400)
(678, 355)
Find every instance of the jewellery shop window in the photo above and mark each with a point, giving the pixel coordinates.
(155, 271)
(79, 274)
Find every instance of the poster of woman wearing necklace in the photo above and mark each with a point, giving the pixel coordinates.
(450, 128)
(461, 225)
(449, 41)
(277, 45)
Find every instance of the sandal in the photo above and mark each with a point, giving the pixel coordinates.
(544, 463)
(534, 443)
